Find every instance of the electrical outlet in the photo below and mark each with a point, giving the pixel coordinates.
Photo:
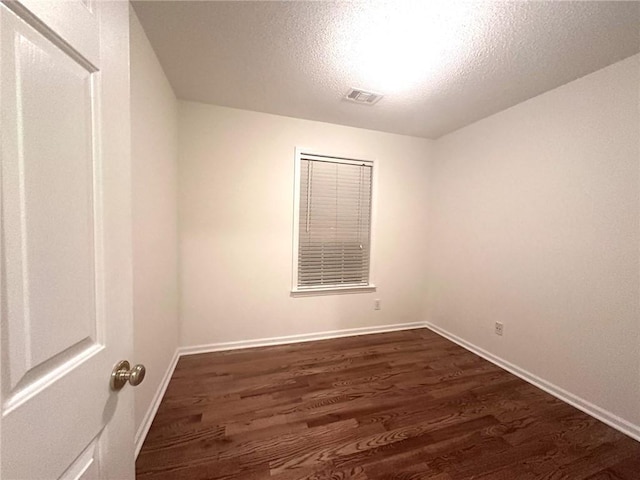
(376, 304)
(499, 328)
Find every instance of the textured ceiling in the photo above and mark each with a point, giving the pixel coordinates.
(440, 64)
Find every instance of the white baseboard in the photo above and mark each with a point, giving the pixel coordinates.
(587, 407)
(305, 337)
(141, 434)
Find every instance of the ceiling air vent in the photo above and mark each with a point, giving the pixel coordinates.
(363, 97)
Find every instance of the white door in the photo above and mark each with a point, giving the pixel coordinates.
(66, 244)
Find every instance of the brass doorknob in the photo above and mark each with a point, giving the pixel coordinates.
(123, 373)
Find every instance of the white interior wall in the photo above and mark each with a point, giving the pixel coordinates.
(154, 183)
(236, 182)
(534, 222)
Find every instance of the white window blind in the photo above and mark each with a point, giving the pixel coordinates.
(334, 222)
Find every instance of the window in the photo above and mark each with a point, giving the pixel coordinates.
(332, 223)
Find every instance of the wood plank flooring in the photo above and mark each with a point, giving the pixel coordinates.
(401, 405)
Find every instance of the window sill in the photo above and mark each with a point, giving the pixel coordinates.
(309, 292)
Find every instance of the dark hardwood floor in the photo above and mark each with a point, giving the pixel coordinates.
(402, 405)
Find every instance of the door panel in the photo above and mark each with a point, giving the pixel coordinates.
(66, 295)
(74, 22)
(48, 191)
(86, 466)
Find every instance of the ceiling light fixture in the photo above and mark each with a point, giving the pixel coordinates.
(395, 45)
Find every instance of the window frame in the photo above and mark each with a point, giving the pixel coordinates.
(306, 153)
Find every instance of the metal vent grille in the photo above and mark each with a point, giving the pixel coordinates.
(362, 96)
